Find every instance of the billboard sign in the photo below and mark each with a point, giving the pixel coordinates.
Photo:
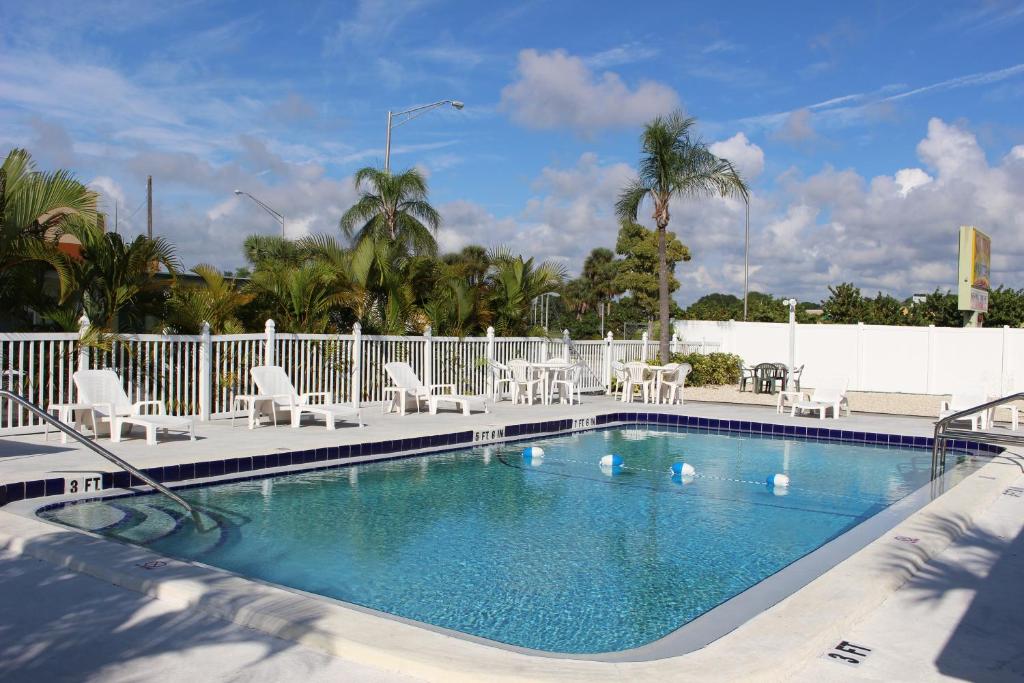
(974, 272)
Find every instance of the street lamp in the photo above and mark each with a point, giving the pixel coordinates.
(409, 115)
(746, 252)
(792, 338)
(542, 306)
(277, 217)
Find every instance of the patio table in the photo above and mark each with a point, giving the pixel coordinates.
(547, 370)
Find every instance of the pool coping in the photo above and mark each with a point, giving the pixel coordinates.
(354, 633)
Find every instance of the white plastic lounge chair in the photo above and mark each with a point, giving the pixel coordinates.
(830, 393)
(962, 400)
(672, 385)
(102, 389)
(637, 375)
(273, 381)
(408, 387)
(526, 383)
(569, 384)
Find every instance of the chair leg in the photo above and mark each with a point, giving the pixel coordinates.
(150, 435)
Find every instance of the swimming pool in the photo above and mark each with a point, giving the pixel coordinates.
(556, 555)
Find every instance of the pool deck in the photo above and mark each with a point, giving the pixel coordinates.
(957, 614)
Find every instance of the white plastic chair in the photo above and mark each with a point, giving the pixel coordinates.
(619, 371)
(501, 377)
(637, 375)
(568, 384)
(962, 400)
(830, 393)
(273, 382)
(103, 391)
(673, 384)
(525, 382)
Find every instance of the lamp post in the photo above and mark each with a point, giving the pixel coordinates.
(410, 114)
(746, 253)
(542, 305)
(277, 216)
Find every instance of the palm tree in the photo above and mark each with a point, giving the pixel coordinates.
(301, 298)
(674, 165)
(514, 283)
(392, 208)
(114, 277)
(34, 208)
(215, 301)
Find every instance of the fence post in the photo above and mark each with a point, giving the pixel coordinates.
(1003, 382)
(83, 350)
(860, 356)
(543, 348)
(205, 373)
(643, 347)
(675, 343)
(565, 345)
(428, 356)
(490, 359)
(929, 373)
(606, 370)
(268, 345)
(357, 363)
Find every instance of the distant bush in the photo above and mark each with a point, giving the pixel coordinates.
(712, 369)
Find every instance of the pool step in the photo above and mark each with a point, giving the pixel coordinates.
(89, 517)
(151, 524)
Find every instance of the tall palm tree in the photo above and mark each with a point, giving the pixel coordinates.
(674, 164)
(392, 208)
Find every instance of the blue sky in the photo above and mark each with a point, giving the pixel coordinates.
(868, 131)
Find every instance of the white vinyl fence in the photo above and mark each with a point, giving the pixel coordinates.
(199, 374)
(913, 360)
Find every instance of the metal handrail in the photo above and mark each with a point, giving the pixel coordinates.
(101, 451)
(942, 434)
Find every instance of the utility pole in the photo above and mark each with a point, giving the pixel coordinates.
(149, 206)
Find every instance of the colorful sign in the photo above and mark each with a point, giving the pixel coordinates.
(974, 274)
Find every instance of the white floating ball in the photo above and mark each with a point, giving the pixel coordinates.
(611, 461)
(778, 480)
(683, 469)
(533, 455)
(682, 479)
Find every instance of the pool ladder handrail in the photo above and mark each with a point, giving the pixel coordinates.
(944, 433)
(100, 451)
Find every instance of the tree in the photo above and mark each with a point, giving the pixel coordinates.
(643, 253)
(884, 310)
(674, 165)
(844, 304)
(35, 207)
(514, 283)
(1005, 307)
(392, 208)
(214, 300)
(115, 282)
(599, 271)
(939, 309)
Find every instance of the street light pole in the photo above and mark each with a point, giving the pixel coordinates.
(409, 115)
(277, 216)
(746, 253)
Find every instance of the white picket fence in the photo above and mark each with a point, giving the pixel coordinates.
(199, 374)
(882, 358)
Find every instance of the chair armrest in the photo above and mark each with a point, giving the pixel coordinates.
(433, 388)
(160, 409)
(304, 398)
(98, 408)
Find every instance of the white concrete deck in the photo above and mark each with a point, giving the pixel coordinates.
(927, 630)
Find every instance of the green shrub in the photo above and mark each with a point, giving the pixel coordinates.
(712, 369)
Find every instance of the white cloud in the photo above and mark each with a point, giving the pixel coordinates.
(796, 127)
(747, 157)
(627, 53)
(909, 179)
(557, 90)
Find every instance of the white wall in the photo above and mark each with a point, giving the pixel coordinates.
(916, 360)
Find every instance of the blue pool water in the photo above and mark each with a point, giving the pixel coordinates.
(557, 556)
